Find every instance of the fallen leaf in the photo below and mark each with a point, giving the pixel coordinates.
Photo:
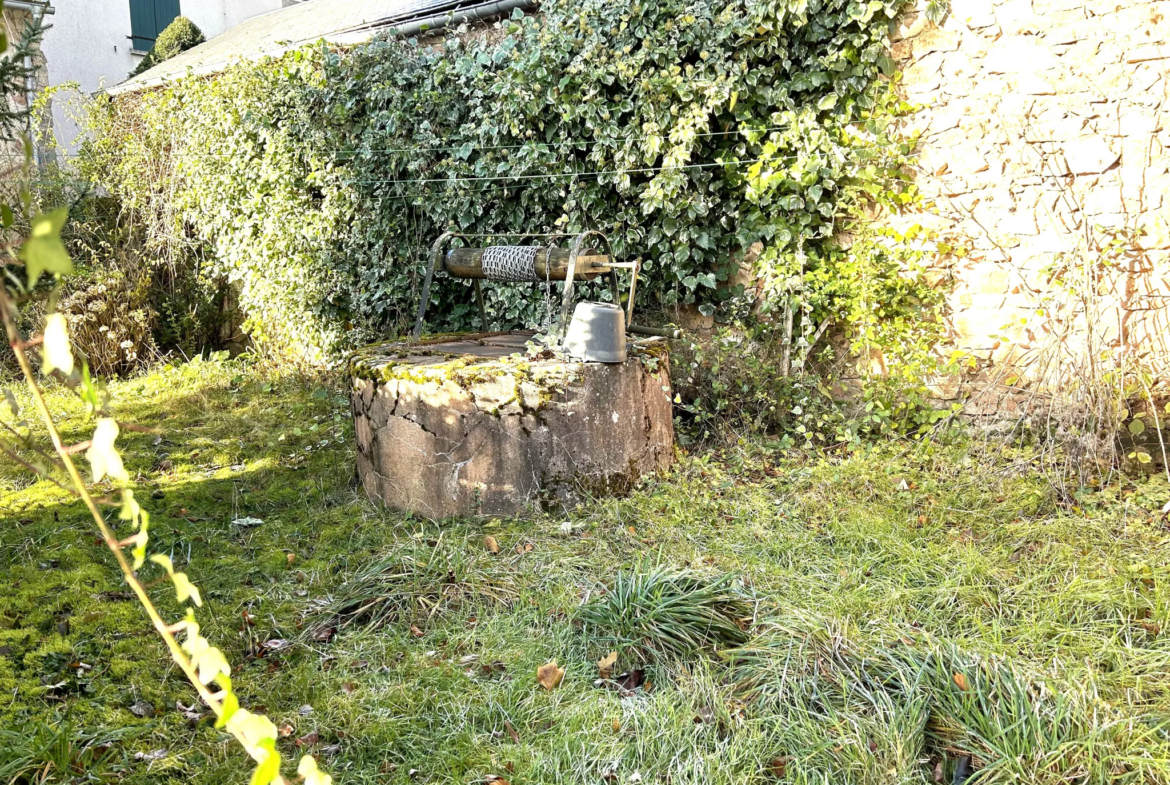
(189, 712)
(290, 558)
(617, 725)
(285, 730)
(142, 709)
(606, 663)
(549, 675)
(960, 681)
(325, 634)
(490, 543)
(494, 779)
(308, 740)
(416, 632)
(247, 522)
(305, 710)
(150, 756)
(777, 767)
(512, 732)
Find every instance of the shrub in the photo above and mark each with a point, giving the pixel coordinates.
(179, 36)
(112, 322)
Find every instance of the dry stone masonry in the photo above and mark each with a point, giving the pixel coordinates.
(1043, 151)
(465, 425)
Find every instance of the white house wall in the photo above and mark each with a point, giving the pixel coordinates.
(215, 16)
(89, 43)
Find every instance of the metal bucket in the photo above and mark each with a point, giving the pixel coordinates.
(597, 333)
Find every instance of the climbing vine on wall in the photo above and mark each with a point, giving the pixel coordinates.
(685, 130)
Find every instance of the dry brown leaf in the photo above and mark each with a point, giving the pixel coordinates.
(512, 732)
(549, 675)
(285, 730)
(290, 558)
(606, 663)
(416, 632)
(960, 681)
(490, 543)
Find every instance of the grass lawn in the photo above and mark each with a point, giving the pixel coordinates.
(778, 617)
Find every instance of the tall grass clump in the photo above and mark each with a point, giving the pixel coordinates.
(909, 706)
(659, 611)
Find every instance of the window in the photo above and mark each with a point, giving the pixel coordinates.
(148, 18)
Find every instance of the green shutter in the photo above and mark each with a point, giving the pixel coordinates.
(148, 18)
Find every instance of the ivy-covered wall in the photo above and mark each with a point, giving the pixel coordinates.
(686, 131)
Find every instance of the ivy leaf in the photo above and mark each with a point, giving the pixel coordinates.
(184, 589)
(211, 664)
(307, 768)
(43, 251)
(57, 354)
(103, 458)
(231, 704)
(253, 730)
(268, 766)
(141, 519)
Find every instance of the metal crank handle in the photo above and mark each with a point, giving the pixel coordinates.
(661, 332)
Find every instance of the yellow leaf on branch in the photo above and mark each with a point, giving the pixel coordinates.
(103, 457)
(57, 354)
(307, 768)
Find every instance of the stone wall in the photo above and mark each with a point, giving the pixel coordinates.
(1043, 155)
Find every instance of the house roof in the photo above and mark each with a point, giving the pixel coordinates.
(336, 21)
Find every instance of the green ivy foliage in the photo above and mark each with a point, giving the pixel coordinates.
(686, 130)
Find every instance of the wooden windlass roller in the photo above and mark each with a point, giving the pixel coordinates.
(532, 263)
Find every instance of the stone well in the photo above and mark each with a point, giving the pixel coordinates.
(472, 425)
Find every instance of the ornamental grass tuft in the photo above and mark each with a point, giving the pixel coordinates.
(660, 611)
